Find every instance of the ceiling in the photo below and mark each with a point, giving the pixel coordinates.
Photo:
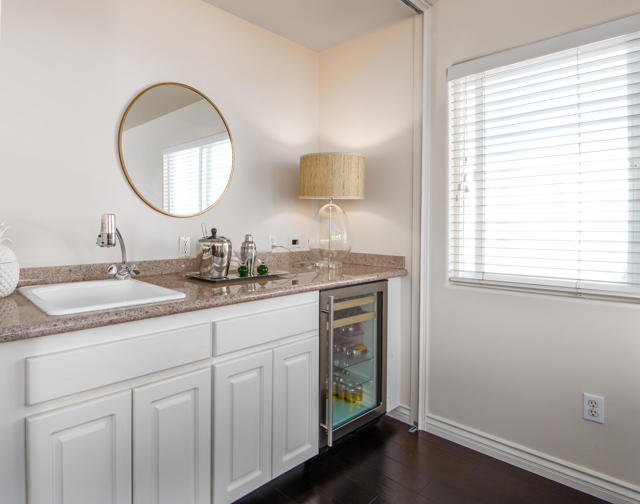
(320, 24)
(159, 101)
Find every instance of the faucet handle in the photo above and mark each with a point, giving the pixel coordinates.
(112, 270)
(133, 270)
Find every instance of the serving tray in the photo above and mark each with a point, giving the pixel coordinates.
(234, 277)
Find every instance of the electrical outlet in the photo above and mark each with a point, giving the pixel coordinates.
(294, 242)
(272, 240)
(184, 246)
(593, 408)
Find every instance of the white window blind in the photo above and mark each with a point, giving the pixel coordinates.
(195, 174)
(544, 170)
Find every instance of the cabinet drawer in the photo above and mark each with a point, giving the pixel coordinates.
(63, 373)
(237, 333)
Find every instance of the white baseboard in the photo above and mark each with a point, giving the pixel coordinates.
(402, 413)
(572, 475)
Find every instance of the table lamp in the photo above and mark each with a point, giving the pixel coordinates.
(332, 176)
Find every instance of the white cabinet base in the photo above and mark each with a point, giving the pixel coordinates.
(172, 440)
(295, 404)
(81, 453)
(121, 414)
(241, 425)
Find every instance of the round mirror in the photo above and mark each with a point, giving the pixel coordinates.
(176, 149)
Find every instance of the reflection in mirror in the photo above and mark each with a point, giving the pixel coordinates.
(176, 149)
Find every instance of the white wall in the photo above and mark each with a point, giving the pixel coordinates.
(516, 365)
(366, 105)
(70, 67)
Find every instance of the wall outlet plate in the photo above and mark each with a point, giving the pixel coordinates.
(593, 408)
(272, 240)
(184, 246)
(294, 242)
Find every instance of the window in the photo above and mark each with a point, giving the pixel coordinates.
(544, 171)
(201, 167)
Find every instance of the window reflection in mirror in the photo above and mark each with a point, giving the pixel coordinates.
(176, 150)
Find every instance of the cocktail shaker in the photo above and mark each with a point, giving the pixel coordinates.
(248, 254)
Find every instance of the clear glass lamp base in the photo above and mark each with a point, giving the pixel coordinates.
(329, 265)
(329, 240)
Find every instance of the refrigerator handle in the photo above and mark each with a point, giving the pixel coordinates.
(329, 424)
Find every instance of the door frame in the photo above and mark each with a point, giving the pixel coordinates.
(420, 221)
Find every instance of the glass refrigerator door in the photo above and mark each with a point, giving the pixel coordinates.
(356, 359)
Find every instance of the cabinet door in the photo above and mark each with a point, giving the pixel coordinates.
(241, 426)
(81, 453)
(172, 440)
(295, 404)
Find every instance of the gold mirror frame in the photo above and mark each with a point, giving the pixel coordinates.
(121, 154)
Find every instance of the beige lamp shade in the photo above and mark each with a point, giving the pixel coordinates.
(331, 175)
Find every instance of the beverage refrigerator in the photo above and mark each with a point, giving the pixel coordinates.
(353, 344)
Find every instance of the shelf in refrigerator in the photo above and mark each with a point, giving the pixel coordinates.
(341, 362)
(351, 377)
(352, 303)
(354, 319)
(348, 333)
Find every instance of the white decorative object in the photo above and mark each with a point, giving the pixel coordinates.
(9, 269)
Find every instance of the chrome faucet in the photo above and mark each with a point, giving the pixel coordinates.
(108, 236)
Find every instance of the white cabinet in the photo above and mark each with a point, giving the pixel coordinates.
(241, 425)
(265, 416)
(123, 414)
(172, 440)
(295, 404)
(81, 453)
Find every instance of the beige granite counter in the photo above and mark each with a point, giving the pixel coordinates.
(20, 319)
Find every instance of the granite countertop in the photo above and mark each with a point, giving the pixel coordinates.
(20, 319)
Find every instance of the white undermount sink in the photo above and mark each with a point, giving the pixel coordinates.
(79, 297)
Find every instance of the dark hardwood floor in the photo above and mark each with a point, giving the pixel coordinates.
(387, 464)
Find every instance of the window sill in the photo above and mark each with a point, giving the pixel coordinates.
(546, 290)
